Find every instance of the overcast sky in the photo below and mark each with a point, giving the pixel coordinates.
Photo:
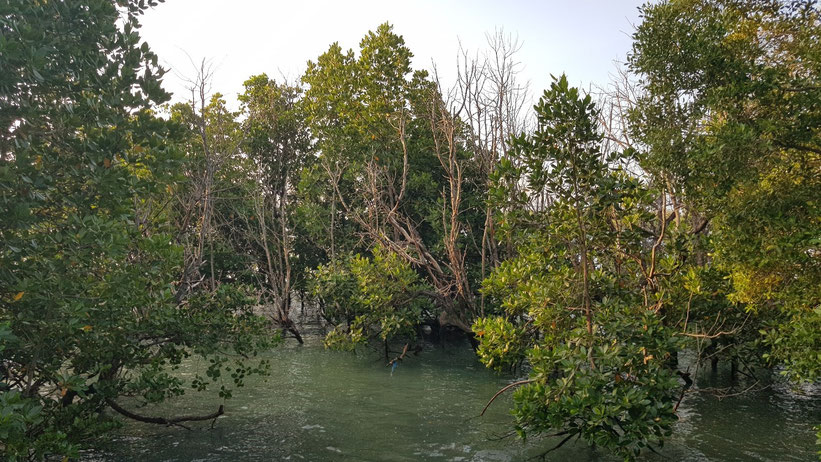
(581, 38)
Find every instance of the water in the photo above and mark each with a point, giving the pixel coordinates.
(327, 406)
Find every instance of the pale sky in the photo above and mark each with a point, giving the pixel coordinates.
(241, 38)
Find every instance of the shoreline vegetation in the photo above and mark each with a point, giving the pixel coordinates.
(582, 244)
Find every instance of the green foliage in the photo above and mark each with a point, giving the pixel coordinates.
(624, 405)
(279, 145)
(502, 346)
(355, 106)
(379, 174)
(88, 265)
(731, 117)
(580, 303)
(368, 298)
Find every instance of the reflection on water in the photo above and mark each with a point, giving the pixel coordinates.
(326, 406)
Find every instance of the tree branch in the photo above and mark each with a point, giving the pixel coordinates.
(514, 384)
(398, 358)
(163, 420)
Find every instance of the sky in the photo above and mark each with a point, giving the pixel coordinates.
(240, 38)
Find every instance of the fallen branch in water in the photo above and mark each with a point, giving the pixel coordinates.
(561, 443)
(688, 382)
(728, 392)
(398, 358)
(162, 420)
(508, 387)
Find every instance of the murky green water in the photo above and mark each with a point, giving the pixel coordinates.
(325, 406)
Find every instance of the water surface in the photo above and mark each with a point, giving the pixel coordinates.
(327, 406)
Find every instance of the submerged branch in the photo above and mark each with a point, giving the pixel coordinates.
(561, 443)
(163, 420)
(398, 358)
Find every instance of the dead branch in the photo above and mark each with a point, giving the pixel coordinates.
(398, 358)
(163, 420)
(504, 389)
